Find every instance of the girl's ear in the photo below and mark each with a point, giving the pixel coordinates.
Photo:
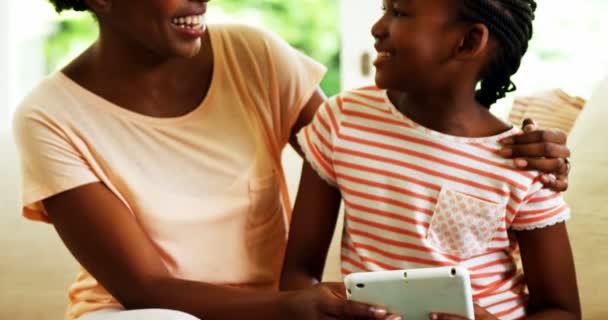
(474, 43)
(99, 6)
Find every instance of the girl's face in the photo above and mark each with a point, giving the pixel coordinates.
(165, 27)
(415, 40)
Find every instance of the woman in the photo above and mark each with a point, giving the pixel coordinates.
(155, 155)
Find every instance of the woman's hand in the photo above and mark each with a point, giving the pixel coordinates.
(542, 150)
(480, 314)
(327, 301)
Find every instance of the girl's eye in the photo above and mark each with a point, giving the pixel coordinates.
(397, 13)
(394, 12)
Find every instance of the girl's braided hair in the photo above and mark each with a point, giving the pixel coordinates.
(77, 5)
(510, 23)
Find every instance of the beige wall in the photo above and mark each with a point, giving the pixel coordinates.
(588, 198)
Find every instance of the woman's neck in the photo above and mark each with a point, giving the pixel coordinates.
(142, 82)
(455, 113)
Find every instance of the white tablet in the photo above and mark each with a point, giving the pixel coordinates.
(414, 293)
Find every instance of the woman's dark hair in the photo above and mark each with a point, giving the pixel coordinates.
(510, 23)
(77, 5)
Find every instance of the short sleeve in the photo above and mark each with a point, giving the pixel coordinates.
(541, 208)
(294, 79)
(50, 164)
(317, 141)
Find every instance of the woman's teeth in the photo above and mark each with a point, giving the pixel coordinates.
(189, 22)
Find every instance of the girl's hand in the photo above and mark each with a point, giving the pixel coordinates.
(328, 301)
(542, 150)
(480, 314)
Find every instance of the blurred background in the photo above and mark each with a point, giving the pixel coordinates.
(569, 52)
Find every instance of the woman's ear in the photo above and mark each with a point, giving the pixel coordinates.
(99, 6)
(474, 42)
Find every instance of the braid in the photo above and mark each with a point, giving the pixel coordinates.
(77, 5)
(510, 22)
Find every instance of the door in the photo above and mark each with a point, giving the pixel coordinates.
(358, 53)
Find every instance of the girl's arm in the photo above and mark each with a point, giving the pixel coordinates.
(550, 276)
(549, 270)
(314, 219)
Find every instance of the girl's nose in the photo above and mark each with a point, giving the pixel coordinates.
(379, 29)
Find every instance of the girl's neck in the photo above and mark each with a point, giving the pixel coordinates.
(457, 113)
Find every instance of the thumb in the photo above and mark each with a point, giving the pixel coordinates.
(529, 125)
(444, 316)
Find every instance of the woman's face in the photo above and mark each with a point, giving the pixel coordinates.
(166, 27)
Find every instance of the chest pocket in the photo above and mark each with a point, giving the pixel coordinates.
(462, 225)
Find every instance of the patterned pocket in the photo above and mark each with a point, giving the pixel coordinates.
(462, 225)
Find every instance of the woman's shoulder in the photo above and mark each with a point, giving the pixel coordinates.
(49, 100)
(243, 31)
(244, 39)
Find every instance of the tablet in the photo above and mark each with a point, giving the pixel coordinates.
(414, 293)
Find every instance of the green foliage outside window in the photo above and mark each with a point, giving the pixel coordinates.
(310, 26)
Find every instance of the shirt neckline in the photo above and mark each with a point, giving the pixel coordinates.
(109, 106)
(459, 139)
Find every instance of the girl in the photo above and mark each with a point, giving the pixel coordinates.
(416, 162)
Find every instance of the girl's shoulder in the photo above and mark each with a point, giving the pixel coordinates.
(369, 99)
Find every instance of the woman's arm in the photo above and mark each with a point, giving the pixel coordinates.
(305, 117)
(312, 227)
(542, 150)
(109, 243)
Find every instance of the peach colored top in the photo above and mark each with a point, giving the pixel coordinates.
(205, 187)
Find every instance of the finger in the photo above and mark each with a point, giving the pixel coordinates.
(444, 316)
(560, 184)
(548, 180)
(349, 309)
(361, 310)
(555, 166)
(546, 149)
(529, 125)
(536, 136)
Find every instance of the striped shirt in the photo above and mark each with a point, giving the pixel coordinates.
(418, 198)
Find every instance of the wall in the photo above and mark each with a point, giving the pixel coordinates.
(588, 198)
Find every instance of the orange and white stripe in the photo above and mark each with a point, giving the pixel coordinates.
(391, 171)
